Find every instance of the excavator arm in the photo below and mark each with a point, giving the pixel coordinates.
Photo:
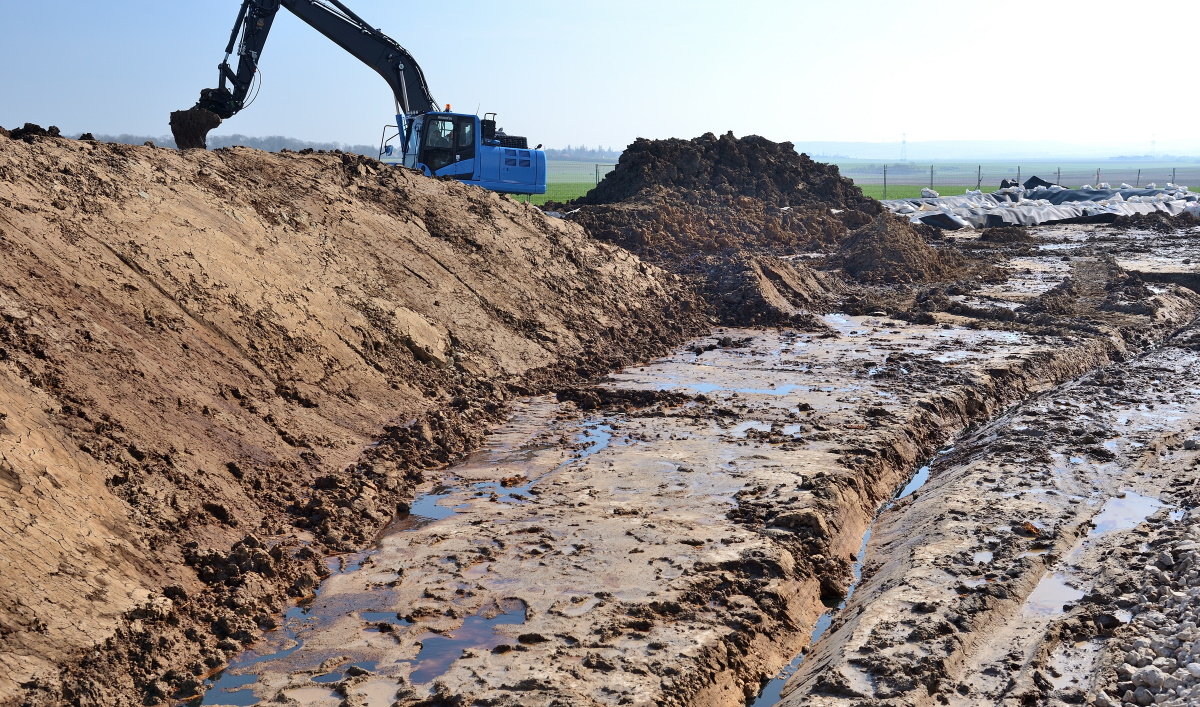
(329, 17)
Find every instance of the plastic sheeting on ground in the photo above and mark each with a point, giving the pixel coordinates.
(1016, 206)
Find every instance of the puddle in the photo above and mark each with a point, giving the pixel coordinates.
(314, 695)
(377, 692)
(425, 509)
(917, 481)
(1051, 594)
(982, 557)
(228, 690)
(1124, 513)
(438, 651)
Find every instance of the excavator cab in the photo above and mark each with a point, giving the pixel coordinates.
(469, 149)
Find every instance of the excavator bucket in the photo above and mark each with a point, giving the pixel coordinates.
(191, 127)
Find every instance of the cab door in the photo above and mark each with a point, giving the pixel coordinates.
(465, 135)
(437, 143)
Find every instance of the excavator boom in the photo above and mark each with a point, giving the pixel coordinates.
(329, 17)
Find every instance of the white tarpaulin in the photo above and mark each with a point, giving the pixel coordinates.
(1016, 206)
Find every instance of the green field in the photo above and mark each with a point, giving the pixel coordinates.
(562, 191)
(565, 191)
(568, 179)
(913, 191)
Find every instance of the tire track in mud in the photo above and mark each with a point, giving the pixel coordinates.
(1000, 574)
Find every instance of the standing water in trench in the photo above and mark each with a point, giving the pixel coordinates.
(772, 692)
(232, 685)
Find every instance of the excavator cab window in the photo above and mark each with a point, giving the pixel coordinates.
(438, 148)
(464, 139)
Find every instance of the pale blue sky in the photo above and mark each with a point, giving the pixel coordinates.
(598, 72)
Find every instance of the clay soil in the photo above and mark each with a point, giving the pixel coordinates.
(304, 429)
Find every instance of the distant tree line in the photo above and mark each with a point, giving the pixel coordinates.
(275, 143)
(270, 143)
(583, 153)
(1155, 158)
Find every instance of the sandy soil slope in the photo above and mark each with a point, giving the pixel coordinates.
(204, 347)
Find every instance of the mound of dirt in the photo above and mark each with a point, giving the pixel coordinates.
(673, 200)
(767, 291)
(216, 366)
(768, 172)
(1006, 234)
(715, 209)
(890, 251)
(1157, 221)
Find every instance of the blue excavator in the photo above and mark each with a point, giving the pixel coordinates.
(439, 143)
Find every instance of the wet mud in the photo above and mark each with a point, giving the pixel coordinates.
(678, 550)
(302, 429)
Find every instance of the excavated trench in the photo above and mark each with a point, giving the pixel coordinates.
(709, 528)
(889, 496)
(675, 536)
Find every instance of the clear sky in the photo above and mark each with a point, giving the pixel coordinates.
(601, 72)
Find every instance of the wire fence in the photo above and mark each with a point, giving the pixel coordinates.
(566, 180)
(901, 181)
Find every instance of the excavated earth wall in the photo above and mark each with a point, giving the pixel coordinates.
(217, 366)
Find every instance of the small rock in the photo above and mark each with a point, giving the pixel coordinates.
(1142, 696)
(1149, 676)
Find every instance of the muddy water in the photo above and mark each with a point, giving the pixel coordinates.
(565, 525)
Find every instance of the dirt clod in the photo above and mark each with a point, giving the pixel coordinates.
(191, 127)
(30, 131)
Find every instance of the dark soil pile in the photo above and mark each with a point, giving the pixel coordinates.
(889, 251)
(31, 131)
(769, 172)
(1156, 221)
(1006, 234)
(716, 209)
(675, 200)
